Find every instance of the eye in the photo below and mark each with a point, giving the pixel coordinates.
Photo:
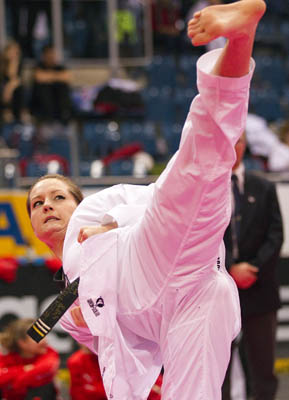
(37, 203)
(59, 197)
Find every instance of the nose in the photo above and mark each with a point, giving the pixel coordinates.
(47, 206)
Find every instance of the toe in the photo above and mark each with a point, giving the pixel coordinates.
(201, 39)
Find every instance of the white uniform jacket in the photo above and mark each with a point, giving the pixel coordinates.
(136, 281)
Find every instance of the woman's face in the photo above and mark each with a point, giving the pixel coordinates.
(13, 51)
(29, 348)
(51, 208)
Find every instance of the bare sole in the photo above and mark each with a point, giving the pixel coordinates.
(234, 20)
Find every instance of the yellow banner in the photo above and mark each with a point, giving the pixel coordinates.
(16, 234)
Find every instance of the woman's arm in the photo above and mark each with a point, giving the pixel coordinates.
(8, 373)
(123, 204)
(41, 371)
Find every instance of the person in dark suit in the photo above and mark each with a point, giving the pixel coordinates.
(253, 241)
(50, 99)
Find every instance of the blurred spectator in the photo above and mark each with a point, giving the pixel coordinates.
(11, 87)
(284, 132)
(86, 380)
(166, 24)
(30, 23)
(85, 376)
(27, 368)
(253, 242)
(51, 89)
(264, 142)
(85, 29)
(8, 269)
(199, 5)
(127, 32)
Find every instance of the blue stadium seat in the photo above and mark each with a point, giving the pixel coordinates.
(112, 137)
(7, 131)
(172, 134)
(140, 132)
(84, 168)
(94, 140)
(284, 28)
(162, 71)
(278, 7)
(272, 70)
(159, 103)
(187, 67)
(149, 138)
(121, 167)
(267, 28)
(183, 99)
(266, 103)
(60, 146)
(41, 164)
(126, 129)
(20, 136)
(35, 169)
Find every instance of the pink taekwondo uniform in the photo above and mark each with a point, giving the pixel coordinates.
(155, 291)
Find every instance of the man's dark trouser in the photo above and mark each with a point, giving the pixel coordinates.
(258, 338)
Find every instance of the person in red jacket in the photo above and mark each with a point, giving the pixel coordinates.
(27, 368)
(86, 380)
(85, 376)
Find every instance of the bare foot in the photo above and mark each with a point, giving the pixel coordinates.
(233, 20)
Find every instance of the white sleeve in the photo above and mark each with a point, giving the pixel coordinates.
(124, 215)
(99, 207)
(92, 210)
(134, 203)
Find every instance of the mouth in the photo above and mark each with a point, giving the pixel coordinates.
(50, 218)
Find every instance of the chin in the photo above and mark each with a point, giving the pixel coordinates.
(50, 237)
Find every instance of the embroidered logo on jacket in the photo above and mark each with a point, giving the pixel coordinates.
(94, 306)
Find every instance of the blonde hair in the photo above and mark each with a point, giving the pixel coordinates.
(13, 332)
(284, 131)
(3, 56)
(72, 187)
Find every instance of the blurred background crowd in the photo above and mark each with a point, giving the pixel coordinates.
(99, 90)
(78, 86)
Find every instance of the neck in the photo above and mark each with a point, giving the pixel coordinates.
(57, 249)
(56, 246)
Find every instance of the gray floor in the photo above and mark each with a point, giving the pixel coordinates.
(283, 391)
(282, 352)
